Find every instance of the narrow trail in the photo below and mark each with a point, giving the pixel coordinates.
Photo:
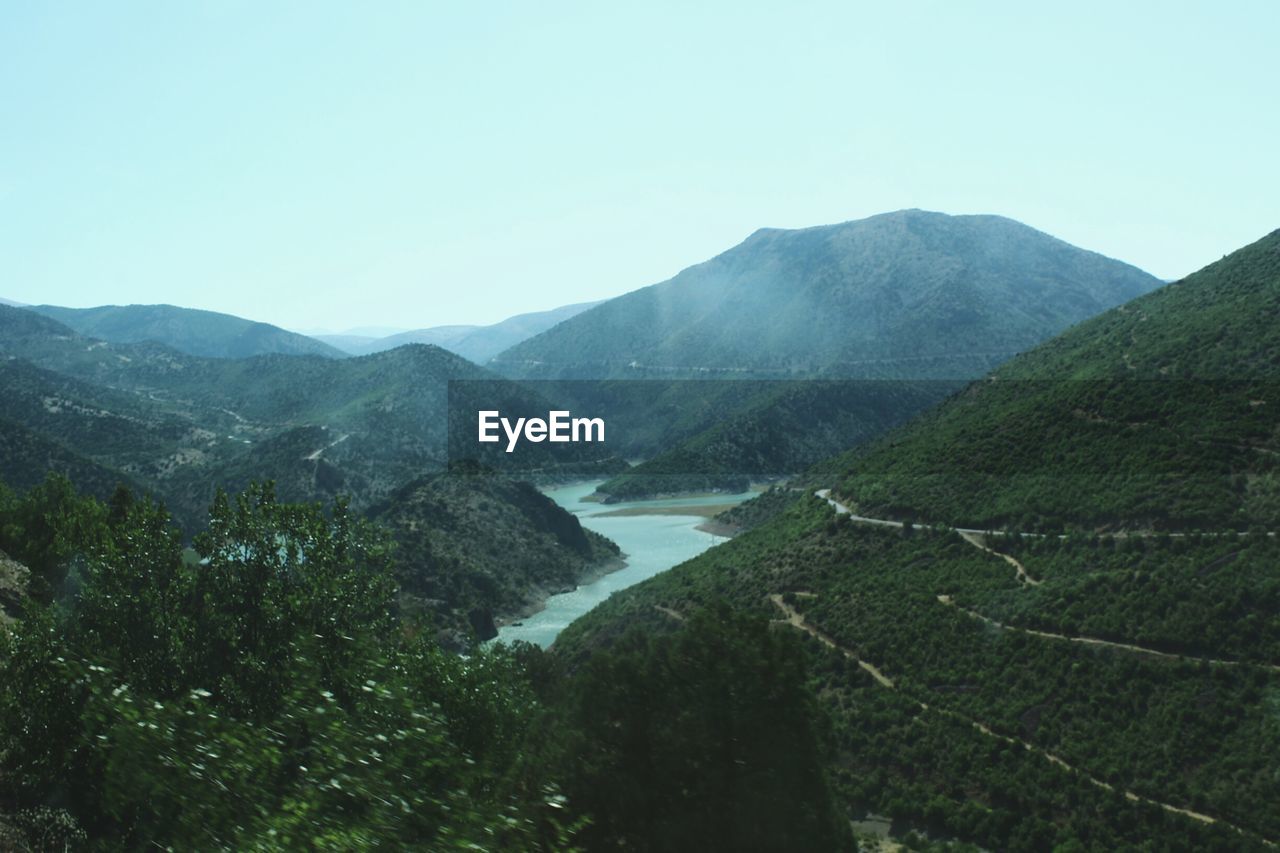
(315, 454)
(979, 541)
(841, 509)
(667, 611)
(976, 538)
(1110, 644)
(797, 620)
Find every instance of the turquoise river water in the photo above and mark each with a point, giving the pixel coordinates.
(649, 543)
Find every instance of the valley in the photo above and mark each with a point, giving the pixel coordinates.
(1014, 598)
(640, 428)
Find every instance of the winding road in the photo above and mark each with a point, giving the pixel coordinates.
(797, 620)
(1109, 644)
(977, 539)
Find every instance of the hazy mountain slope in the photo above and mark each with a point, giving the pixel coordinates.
(486, 342)
(442, 336)
(784, 428)
(1041, 692)
(189, 330)
(477, 343)
(474, 547)
(912, 293)
(350, 344)
(1161, 412)
(359, 426)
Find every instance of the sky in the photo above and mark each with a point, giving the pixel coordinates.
(330, 165)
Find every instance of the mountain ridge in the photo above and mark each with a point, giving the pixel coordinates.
(908, 293)
(475, 343)
(191, 330)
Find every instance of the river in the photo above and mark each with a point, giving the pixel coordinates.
(651, 543)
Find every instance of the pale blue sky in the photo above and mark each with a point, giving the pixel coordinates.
(412, 164)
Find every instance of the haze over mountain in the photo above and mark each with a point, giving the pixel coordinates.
(1112, 688)
(906, 294)
(477, 343)
(910, 295)
(190, 330)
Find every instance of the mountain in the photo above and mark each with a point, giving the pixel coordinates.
(182, 424)
(189, 330)
(348, 343)
(477, 343)
(475, 547)
(908, 294)
(1161, 413)
(1110, 687)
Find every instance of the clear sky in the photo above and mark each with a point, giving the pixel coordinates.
(410, 164)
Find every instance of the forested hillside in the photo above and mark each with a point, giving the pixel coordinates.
(474, 546)
(1161, 413)
(1111, 688)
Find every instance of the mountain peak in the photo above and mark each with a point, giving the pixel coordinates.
(907, 293)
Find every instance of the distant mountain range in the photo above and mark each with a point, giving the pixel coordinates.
(216, 335)
(181, 424)
(477, 343)
(188, 330)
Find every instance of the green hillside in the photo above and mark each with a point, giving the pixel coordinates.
(1161, 413)
(472, 548)
(28, 458)
(189, 330)
(783, 428)
(1114, 688)
(274, 694)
